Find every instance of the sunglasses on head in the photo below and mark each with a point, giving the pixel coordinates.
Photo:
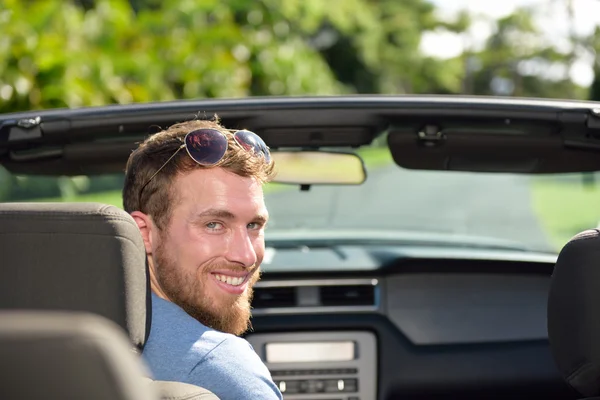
(208, 146)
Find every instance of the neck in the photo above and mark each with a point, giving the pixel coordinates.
(154, 285)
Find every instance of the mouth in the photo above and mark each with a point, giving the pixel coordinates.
(231, 283)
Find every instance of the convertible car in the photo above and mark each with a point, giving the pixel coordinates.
(418, 247)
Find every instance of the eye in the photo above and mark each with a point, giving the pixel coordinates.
(254, 225)
(214, 226)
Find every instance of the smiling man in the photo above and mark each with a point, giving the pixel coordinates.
(195, 191)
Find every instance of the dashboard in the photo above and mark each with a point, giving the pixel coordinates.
(418, 327)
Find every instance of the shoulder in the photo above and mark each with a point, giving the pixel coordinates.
(177, 342)
(172, 328)
(182, 349)
(231, 342)
(234, 370)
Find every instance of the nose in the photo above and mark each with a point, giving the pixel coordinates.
(241, 249)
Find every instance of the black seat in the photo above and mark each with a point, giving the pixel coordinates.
(574, 313)
(80, 257)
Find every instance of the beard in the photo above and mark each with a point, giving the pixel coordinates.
(188, 290)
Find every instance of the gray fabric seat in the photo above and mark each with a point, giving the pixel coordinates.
(82, 257)
(181, 391)
(67, 355)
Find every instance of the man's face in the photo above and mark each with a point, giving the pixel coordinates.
(207, 259)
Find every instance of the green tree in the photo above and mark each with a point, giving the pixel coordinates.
(514, 58)
(592, 44)
(76, 53)
(595, 87)
(82, 53)
(57, 54)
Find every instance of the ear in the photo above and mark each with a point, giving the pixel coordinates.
(145, 224)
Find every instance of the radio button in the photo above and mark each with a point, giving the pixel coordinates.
(288, 386)
(341, 385)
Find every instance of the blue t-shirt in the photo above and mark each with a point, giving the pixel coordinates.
(182, 349)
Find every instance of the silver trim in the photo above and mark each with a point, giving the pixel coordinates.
(29, 123)
(320, 309)
(314, 310)
(317, 282)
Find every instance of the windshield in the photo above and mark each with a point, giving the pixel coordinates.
(519, 211)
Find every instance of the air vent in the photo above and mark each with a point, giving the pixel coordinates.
(308, 296)
(274, 297)
(348, 295)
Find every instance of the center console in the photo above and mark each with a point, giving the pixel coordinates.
(320, 365)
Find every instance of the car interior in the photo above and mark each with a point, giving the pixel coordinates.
(337, 315)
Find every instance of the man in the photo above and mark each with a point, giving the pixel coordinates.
(195, 191)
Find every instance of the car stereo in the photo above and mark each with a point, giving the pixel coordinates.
(320, 365)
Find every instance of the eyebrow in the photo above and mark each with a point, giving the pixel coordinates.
(224, 214)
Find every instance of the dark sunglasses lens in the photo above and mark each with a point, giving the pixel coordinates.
(250, 141)
(206, 146)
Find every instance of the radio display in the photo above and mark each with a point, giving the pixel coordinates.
(290, 352)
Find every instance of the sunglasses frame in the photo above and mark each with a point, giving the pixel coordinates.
(262, 148)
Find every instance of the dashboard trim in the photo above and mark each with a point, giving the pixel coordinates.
(318, 309)
(315, 310)
(317, 282)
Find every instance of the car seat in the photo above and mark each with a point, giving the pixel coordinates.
(80, 258)
(574, 313)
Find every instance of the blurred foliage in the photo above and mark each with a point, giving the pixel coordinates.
(592, 44)
(23, 188)
(595, 87)
(514, 60)
(57, 54)
(86, 53)
(73, 53)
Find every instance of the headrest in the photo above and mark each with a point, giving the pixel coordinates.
(74, 256)
(57, 355)
(574, 312)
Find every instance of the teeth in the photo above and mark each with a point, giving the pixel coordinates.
(230, 280)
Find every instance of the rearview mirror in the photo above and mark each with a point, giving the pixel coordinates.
(318, 168)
